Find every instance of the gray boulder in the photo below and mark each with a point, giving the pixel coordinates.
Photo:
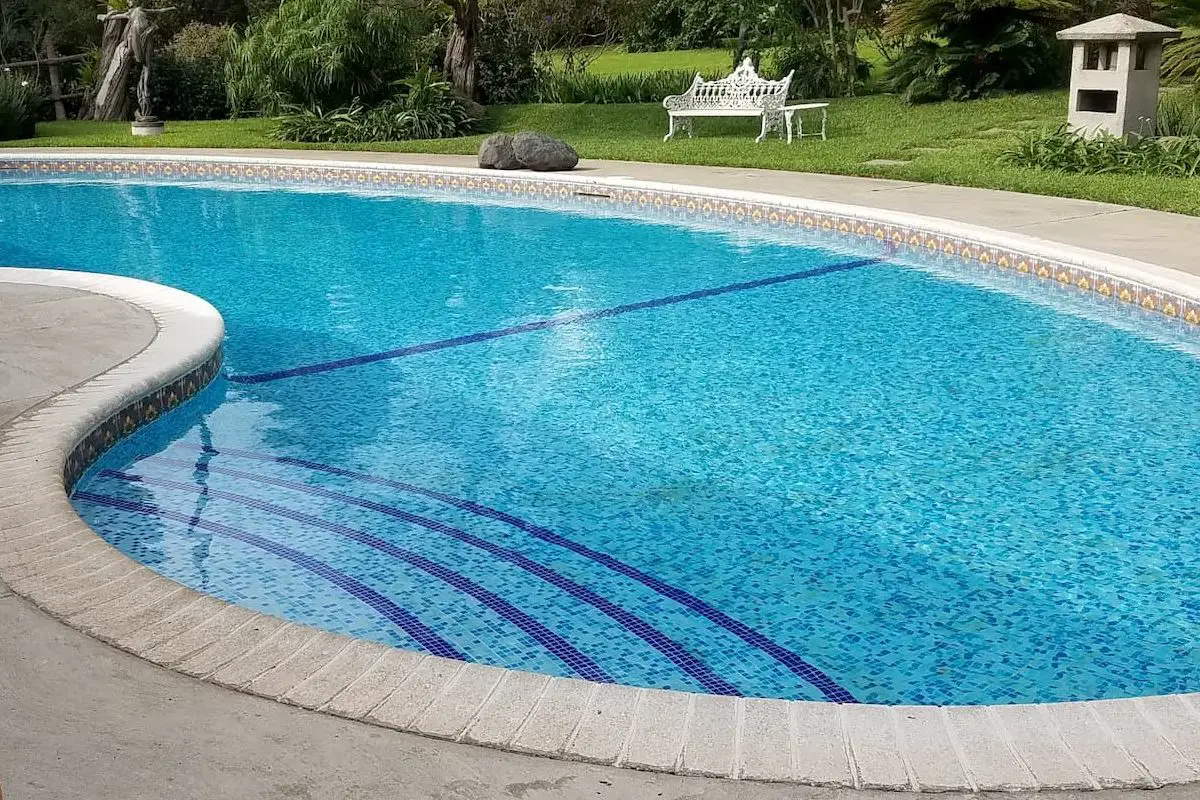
(496, 152)
(544, 153)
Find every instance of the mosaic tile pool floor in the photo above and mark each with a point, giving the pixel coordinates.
(654, 455)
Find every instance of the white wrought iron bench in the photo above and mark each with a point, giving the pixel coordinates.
(740, 94)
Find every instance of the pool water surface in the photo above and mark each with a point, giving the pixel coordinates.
(650, 454)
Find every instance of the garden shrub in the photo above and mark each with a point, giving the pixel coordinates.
(322, 54)
(188, 79)
(20, 102)
(427, 109)
(1062, 150)
(578, 86)
(816, 72)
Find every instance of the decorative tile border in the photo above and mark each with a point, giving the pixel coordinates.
(49, 555)
(138, 414)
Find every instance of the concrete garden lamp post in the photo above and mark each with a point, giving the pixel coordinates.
(1114, 74)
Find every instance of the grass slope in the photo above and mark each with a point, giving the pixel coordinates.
(954, 143)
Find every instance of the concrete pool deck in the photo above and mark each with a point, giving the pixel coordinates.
(116, 684)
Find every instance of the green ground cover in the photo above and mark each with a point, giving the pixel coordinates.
(953, 143)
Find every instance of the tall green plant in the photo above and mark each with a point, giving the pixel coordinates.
(19, 100)
(322, 53)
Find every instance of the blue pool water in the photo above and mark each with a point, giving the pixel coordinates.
(649, 454)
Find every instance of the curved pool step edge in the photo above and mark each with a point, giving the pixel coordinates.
(49, 555)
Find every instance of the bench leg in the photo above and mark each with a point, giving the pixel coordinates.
(671, 130)
(824, 118)
(787, 119)
(763, 134)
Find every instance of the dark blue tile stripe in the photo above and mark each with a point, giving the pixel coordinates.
(398, 616)
(794, 662)
(675, 652)
(576, 661)
(553, 322)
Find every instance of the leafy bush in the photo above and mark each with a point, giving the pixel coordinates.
(1062, 150)
(507, 56)
(576, 86)
(322, 54)
(965, 49)
(19, 104)
(428, 109)
(188, 79)
(816, 72)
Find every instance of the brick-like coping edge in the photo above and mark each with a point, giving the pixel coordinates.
(50, 556)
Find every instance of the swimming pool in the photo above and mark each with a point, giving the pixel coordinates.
(711, 460)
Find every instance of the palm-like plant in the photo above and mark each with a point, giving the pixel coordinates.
(964, 49)
(1181, 59)
(970, 19)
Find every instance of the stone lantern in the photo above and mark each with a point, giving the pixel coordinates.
(1114, 74)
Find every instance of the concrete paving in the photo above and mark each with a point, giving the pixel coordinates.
(53, 338)
(79, 719)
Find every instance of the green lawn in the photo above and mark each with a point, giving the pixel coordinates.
(615, 60)
(955, 143)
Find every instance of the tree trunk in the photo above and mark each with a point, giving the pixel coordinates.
(109, 98)
(739, 50)
(459, 65)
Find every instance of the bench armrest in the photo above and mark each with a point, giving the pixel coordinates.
(677, 102)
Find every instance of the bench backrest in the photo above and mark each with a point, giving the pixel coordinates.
(741, 89)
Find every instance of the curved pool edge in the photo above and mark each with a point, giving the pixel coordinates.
(49, 555)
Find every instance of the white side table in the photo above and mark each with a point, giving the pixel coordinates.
(790, 112)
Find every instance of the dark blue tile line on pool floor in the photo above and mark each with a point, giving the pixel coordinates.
(553, 322)
(675, 652)
(398, 616)
(793, 661)
(564, 651)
